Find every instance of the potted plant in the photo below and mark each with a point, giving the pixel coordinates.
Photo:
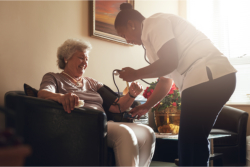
(167, 111)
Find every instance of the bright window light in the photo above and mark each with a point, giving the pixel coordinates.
(227, 24)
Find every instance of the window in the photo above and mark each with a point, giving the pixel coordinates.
(227, 24)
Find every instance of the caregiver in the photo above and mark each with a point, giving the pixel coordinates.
(179, 52)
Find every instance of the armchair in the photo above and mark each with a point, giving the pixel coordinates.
(56, 137)
(234, 122)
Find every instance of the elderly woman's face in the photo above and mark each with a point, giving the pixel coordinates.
(78, 63)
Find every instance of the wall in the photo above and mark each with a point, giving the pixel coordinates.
(182, 5)
(31, 31)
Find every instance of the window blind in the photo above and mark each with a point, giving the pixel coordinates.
(242, 91)
(227, 24)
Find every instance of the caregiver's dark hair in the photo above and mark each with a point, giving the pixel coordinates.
(127, 13)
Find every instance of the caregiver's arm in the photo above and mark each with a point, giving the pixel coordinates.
(161, 90)
(167, 62)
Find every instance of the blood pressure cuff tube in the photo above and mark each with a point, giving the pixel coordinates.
(108, 97)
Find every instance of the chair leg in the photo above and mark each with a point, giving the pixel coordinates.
(176, 161)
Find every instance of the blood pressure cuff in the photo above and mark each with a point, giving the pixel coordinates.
(109, 97)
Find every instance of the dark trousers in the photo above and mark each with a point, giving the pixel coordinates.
(201, 104)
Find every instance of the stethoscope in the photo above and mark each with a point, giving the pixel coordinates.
(116, 72)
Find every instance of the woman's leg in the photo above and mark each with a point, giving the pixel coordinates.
(124, 143)
(201, 105)
(133, 144)
(146, 142)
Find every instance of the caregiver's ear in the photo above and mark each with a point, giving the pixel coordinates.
(131, 25)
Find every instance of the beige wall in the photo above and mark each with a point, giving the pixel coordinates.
(30, 33)
(182, 8)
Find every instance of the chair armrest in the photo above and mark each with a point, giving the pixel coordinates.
(59, 138)
(234, 122)
(232, 119)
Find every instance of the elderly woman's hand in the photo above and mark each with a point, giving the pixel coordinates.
(69, 101)
(135, 89)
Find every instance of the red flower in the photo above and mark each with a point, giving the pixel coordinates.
(171, 92)
(173, 87)
(167, 100)
(147, 93)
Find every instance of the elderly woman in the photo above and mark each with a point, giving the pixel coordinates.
(132, 143)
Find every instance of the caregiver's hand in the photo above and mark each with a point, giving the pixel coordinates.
(139, 110)
(128, 74)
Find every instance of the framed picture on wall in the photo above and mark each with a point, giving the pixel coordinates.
(102, 18)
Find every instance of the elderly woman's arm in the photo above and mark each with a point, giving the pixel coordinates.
(69, 100)
(126, 101)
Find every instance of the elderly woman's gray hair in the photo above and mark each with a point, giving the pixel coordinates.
(68, 48)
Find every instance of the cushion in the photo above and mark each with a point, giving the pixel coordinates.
(29, 91)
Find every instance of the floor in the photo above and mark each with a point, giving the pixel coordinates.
(160, 163)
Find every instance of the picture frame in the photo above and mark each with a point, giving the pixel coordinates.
(102, 17)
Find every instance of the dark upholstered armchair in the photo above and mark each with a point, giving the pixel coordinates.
(56, 137)
(231, 121)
